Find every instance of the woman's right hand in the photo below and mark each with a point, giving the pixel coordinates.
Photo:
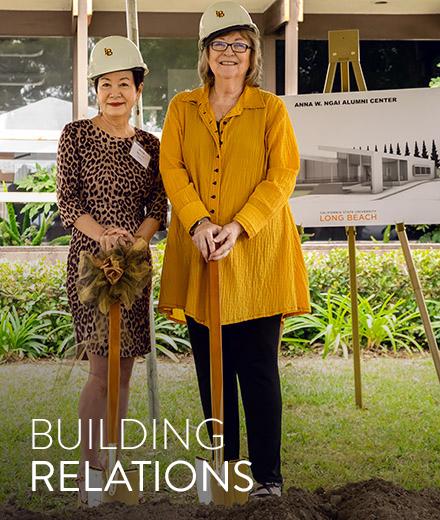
(113, 237)
(203, 238)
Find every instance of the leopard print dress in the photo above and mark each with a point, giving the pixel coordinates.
(96, 175)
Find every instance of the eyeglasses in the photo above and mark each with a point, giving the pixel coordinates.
(221, 46)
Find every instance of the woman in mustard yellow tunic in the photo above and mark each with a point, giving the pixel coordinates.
(229, 160)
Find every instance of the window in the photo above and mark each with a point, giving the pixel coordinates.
(403, 170)
(421, 170)
(354, 164)
(36, 69)
(390, 171)
(342, 167)
(32, 69)
(35, 94)
(173, 68)
(386, 64)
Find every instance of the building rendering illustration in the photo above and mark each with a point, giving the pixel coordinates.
(352, 171)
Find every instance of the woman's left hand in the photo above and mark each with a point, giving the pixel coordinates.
(112, 237)
(227, 238)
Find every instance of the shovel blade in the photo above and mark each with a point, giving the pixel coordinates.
(213, 492)
(117, 492)
(204, 494)
(96, 480)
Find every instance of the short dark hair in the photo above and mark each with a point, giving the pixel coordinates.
(138, 78)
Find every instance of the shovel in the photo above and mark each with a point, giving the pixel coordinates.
(209, 489)
(118, 492)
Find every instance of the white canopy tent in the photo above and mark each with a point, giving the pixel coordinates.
(47, 114)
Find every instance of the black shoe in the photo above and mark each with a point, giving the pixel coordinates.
(268, 489)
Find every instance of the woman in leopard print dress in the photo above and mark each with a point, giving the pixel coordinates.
(106, 195)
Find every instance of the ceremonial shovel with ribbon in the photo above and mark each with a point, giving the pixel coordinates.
(209, 489)
(108, 281)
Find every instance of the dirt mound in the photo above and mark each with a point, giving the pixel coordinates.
(371, 500)
(378, 499)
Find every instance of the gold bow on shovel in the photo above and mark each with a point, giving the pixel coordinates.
(109, 280)
(116, 276)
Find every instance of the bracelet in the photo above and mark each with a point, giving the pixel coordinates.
(197, 224)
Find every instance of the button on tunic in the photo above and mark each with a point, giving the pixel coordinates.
(245, 174)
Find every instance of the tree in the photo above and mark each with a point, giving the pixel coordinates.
(424, 151)
(391, 148)
(416, 150)
(434, 155)
(407, 152)
(398, 150)
(435, 82)
(33, 69)
(36, 68)
(385, 149)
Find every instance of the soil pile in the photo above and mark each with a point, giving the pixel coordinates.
(381, 500)
(371, 500)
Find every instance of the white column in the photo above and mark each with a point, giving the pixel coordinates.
(133, 35)
(80, 84)
(291, 46)
(376, 173)
(131, 12)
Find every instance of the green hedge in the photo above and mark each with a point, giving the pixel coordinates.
(379, 274)
(37, 293)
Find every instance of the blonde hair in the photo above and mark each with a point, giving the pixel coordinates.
(254, 73)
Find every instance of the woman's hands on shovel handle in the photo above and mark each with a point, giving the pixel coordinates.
(226, 240)
(110, 238)
(107, 238)
(215, 242)
(203, 238)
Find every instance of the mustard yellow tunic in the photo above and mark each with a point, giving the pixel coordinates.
(246, 173)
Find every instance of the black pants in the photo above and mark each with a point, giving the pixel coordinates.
(250, 352)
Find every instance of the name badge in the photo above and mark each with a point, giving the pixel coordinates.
(139, 154)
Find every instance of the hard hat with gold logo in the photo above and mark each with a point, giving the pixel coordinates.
(223, 16)
(114, 53)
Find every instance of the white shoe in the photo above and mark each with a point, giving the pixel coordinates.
(269, 489)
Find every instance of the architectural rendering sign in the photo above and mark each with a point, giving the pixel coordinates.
(367, 158)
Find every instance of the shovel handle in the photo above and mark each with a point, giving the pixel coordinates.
(215, 347)
(113, 372)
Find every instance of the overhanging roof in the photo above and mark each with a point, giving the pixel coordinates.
(394, 20)
(254, 6)
(168, 6)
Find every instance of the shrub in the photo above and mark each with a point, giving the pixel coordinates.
(21, 336)
(384, 325)
(381, 327)
(35, 289)
(379, 274)
(37, 218)
(388, 316)
(329, 325)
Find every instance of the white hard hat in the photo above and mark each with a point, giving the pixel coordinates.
(114, 53)
(221, 16)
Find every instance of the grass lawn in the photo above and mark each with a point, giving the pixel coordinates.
(327, 442)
